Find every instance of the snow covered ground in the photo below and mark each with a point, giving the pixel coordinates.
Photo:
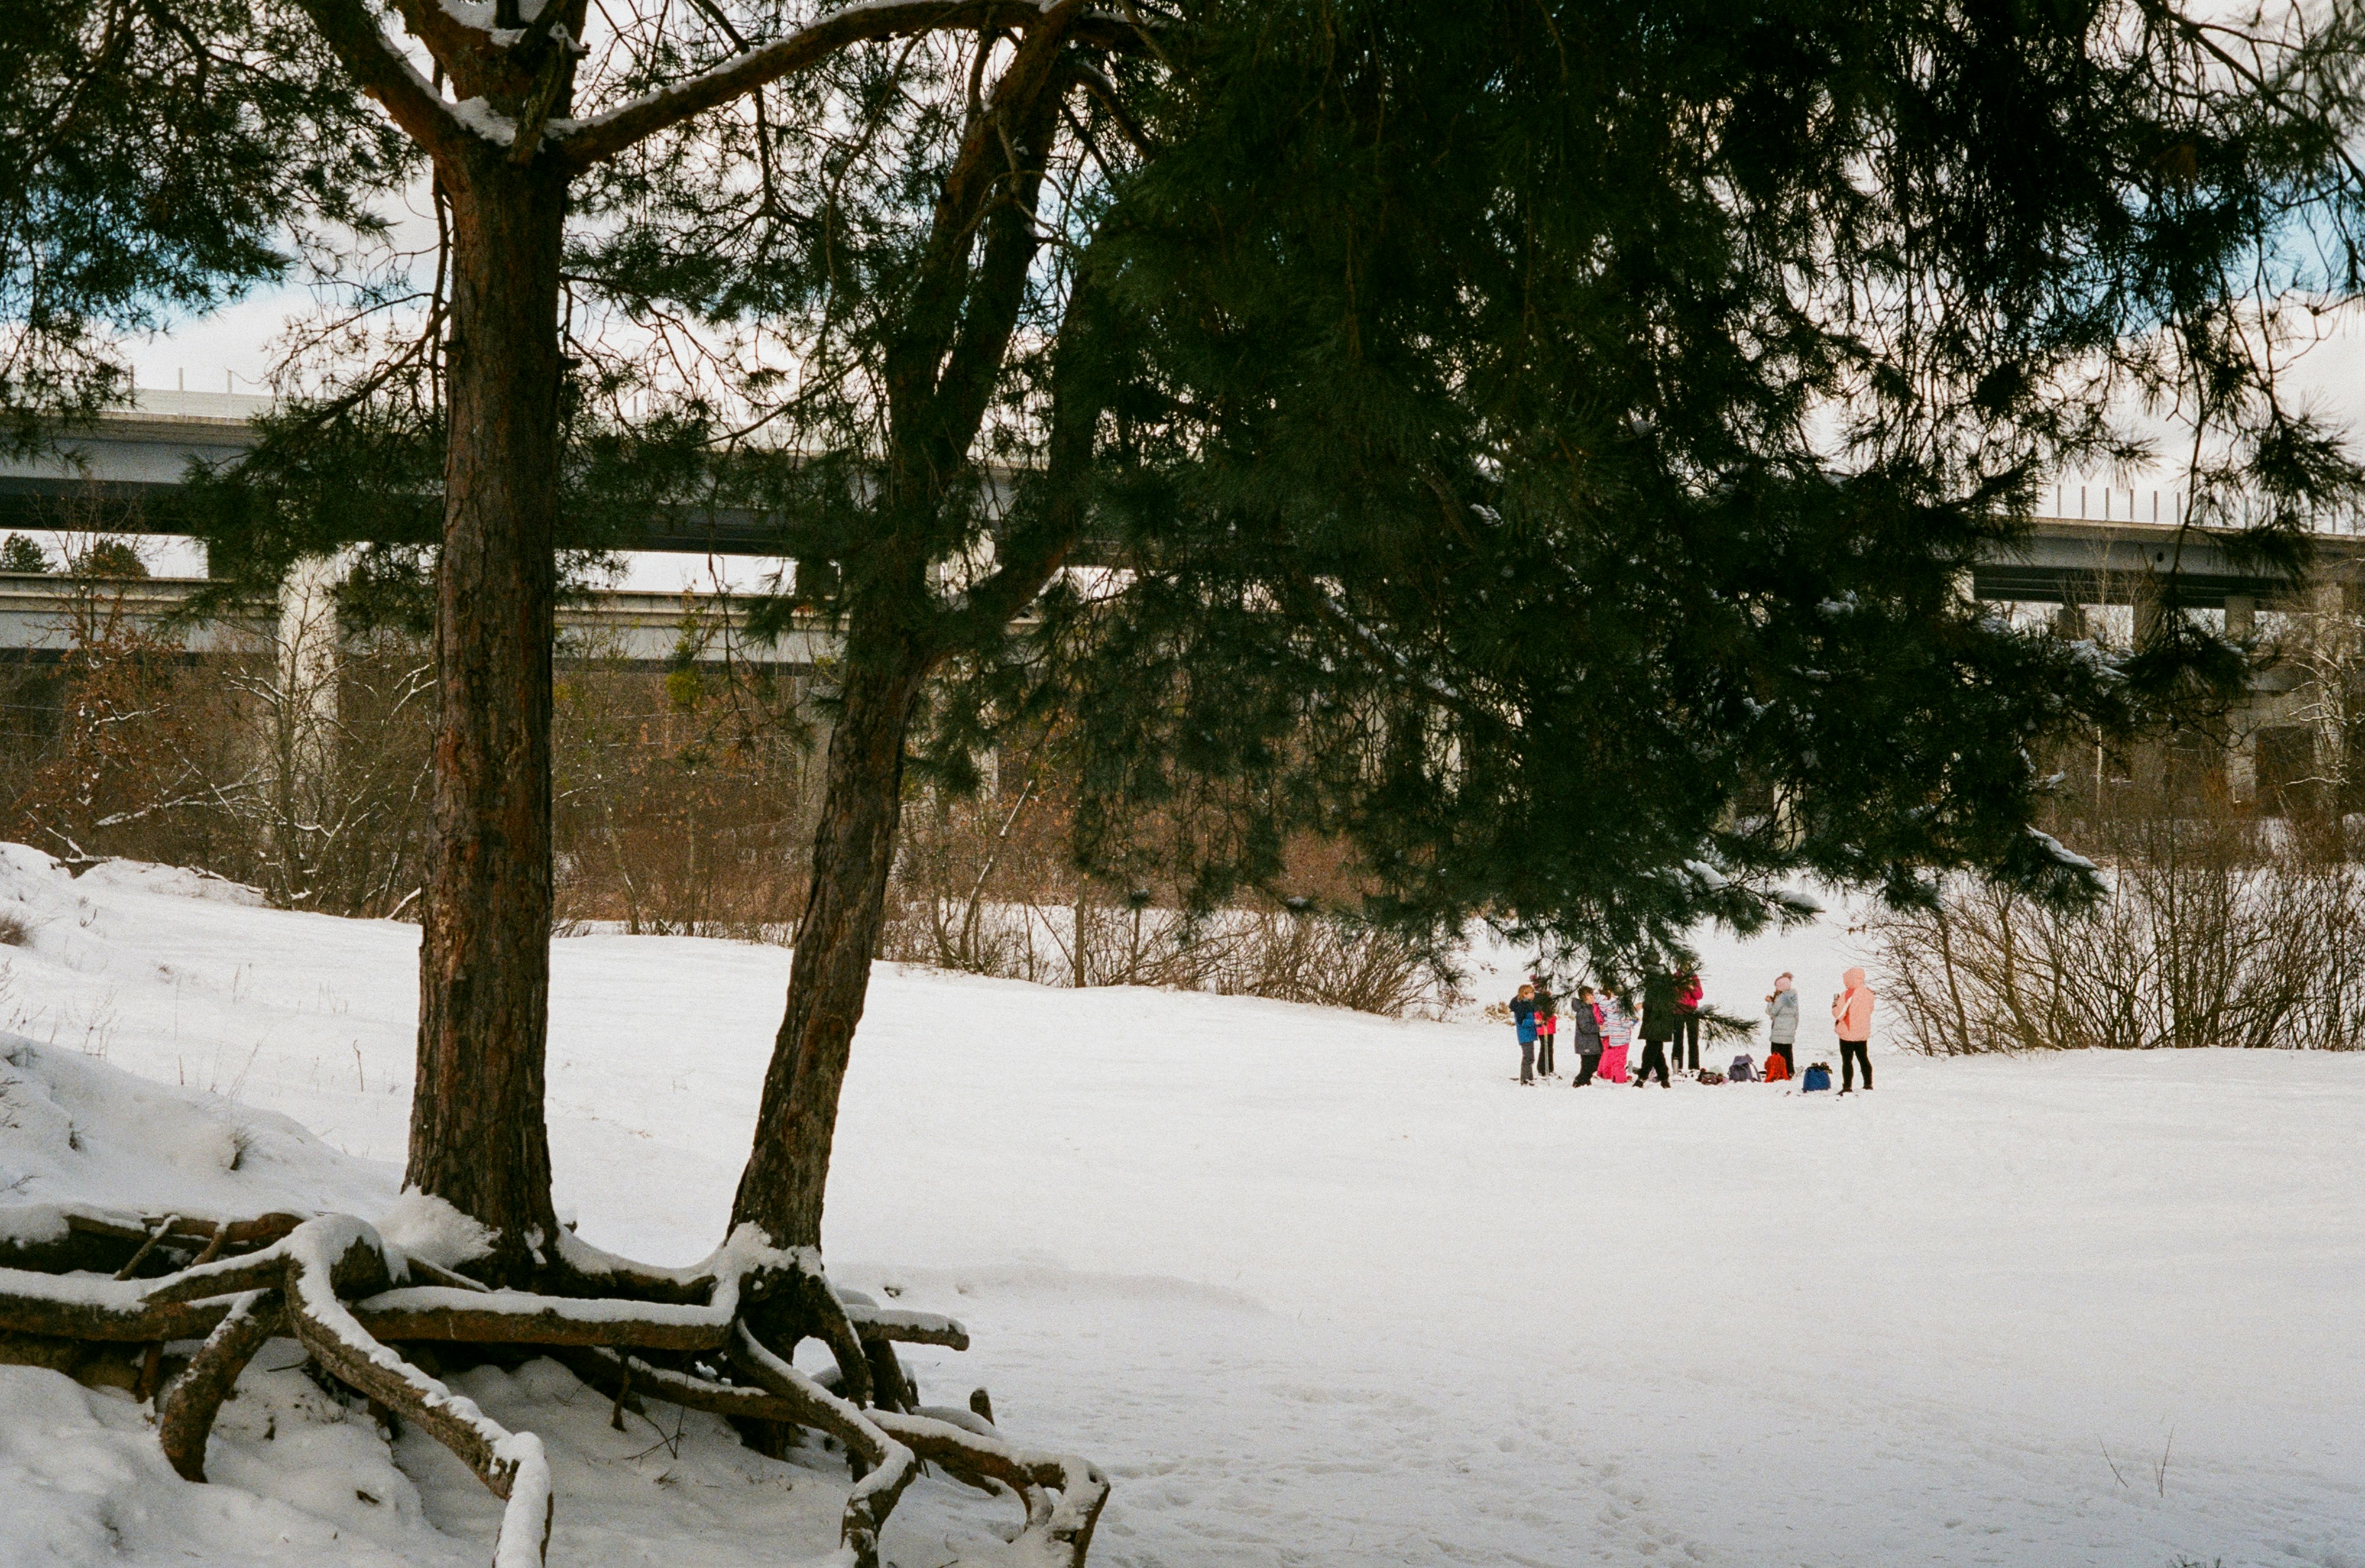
(1318, 1289)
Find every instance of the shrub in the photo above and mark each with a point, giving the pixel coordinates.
(2217, 930)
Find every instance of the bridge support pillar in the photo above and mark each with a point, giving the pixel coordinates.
(308, 675)
(2149, 611)
(2242, 766)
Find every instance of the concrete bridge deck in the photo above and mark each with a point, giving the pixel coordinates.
(43, 617)
(122, 475)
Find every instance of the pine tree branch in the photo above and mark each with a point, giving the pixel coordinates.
(918, 379)
(587, 142)
(451, 41)
(1079, 397)
(1023, 116)
(385, 75)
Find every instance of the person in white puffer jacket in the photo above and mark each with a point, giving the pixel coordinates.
(1782, 1014)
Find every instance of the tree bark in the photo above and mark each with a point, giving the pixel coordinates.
(829, 978)
(941, 371)
(478, 1136)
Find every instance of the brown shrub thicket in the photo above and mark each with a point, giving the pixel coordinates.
(684, 804)
(991, 886)
(685, 799)
(127, 746)
(2220, 928)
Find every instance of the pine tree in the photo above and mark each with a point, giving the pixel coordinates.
(485, 402)
(23, 556)
(1579, 422)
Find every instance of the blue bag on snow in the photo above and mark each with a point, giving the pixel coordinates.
(1817, 1077)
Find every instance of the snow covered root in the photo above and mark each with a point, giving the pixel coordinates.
(340, 1289)
(186, 1413)
(1062, 1496)
(319, 1263)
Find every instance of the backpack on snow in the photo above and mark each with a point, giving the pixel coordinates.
(1708, 1077)
(1744, 1070)
(1819, 1076)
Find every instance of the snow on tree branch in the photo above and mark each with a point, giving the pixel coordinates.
(583, 142)
(387, 75)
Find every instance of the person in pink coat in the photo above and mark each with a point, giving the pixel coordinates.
(1852, 1017)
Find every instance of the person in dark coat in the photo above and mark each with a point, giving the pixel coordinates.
(1523, 1019)
(1547, 1024)
(1658, 1026)
(1584, 1034)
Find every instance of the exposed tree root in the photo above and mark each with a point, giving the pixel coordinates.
(59, 1237)
(334, 1284)
(185, 1418)
(1063, 1495)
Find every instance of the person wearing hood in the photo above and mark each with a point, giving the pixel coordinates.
(1523, 1019)
(1852, 1015)
(1616, 1036)
(1584, 1022)
(1782, 1018)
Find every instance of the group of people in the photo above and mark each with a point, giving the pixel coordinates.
(1601, 1027)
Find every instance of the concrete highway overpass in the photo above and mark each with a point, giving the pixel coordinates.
(122, 476)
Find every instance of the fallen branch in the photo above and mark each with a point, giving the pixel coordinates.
(518, 1318)
(164, 1228)
(873, 1321)
(82, 1307)
(62, 1237)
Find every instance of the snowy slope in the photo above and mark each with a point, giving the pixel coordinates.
(1320, 1289)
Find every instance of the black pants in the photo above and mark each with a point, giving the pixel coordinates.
(1527, 1061)
(1654, 1059)
(1851, 1053)
(1544, 1054)
(1585, 1063)
(1686, 1042)
(1782, 1048)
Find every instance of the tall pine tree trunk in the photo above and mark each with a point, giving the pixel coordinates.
(940, 376)
(478, 1138)
(854, 851)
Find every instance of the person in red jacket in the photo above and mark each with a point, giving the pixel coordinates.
(1688, 1005)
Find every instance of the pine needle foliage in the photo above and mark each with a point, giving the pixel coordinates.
(1570, 427)
(156, 161)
